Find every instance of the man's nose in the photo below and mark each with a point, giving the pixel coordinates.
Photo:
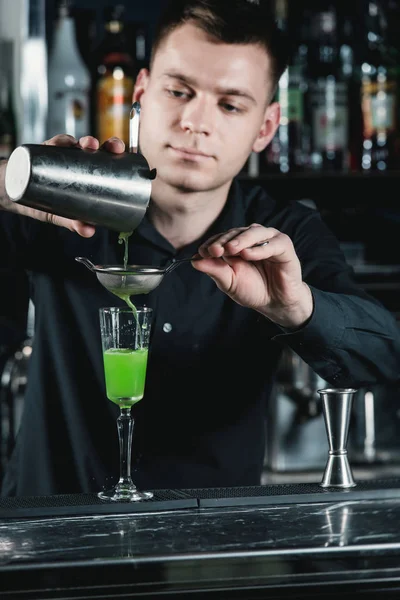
(198, 116)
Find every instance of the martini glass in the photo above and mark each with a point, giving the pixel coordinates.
(125, 336)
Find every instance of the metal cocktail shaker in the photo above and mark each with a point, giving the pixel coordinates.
(94, 186)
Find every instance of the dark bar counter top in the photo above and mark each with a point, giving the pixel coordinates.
(267, 542)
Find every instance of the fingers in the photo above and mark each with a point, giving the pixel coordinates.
(87, 142)
(83, 229)
(239, 240)
(279, 249)
(114, 145)
(218, 269)
(216, 245)
(62, 139)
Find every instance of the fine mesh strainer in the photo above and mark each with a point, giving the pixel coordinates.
(135, 279)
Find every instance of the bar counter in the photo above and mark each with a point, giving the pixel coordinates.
(267, 542)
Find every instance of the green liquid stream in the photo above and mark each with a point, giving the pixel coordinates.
(123, 239)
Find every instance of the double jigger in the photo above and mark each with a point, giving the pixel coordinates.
(336, 409)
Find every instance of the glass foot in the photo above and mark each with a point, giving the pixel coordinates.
(124, 493)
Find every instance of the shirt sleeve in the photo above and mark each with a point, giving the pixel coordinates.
(351, 339)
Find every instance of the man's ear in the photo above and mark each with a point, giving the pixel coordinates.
(142, 80)
(270, 125)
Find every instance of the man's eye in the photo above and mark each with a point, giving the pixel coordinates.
(230, 108)
(177, 93)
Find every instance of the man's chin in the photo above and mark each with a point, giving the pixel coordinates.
(189, 183)
(188, 187)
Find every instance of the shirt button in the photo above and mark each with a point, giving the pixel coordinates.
(167, 327)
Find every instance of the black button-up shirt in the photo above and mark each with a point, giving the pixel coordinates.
(211, 365)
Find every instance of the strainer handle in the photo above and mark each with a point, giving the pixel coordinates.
(181, 260)
(86, 262)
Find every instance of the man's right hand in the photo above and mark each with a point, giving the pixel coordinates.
(84, 229)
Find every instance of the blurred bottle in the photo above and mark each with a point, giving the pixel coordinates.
(379, 94)
(328, 93)
(7, 119)
(350, 55)
(8, 130)
(32, 102)
(289, 149)
(140, 35)
(68, 81)
(113, 79)
(392, 8)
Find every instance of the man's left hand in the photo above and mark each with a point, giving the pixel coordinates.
(266, 278)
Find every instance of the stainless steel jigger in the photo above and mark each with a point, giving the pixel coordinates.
(336, 408)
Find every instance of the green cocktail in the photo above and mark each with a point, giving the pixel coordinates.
(125, 374)
(125, 338)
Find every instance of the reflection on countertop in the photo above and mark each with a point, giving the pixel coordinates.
(305, 550)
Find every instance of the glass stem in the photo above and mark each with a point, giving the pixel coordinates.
(125, 430)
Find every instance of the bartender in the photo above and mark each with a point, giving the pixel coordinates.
(221, 322)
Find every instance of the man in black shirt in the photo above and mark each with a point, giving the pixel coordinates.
(221, 322)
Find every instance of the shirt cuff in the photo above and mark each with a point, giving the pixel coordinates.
(325, 327)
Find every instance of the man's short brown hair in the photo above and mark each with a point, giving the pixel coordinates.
(229, 22)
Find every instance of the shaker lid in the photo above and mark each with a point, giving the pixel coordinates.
(18, 172)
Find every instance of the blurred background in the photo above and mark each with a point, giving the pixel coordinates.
(69, 66)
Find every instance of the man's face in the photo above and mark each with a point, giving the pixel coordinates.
(203, 106)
